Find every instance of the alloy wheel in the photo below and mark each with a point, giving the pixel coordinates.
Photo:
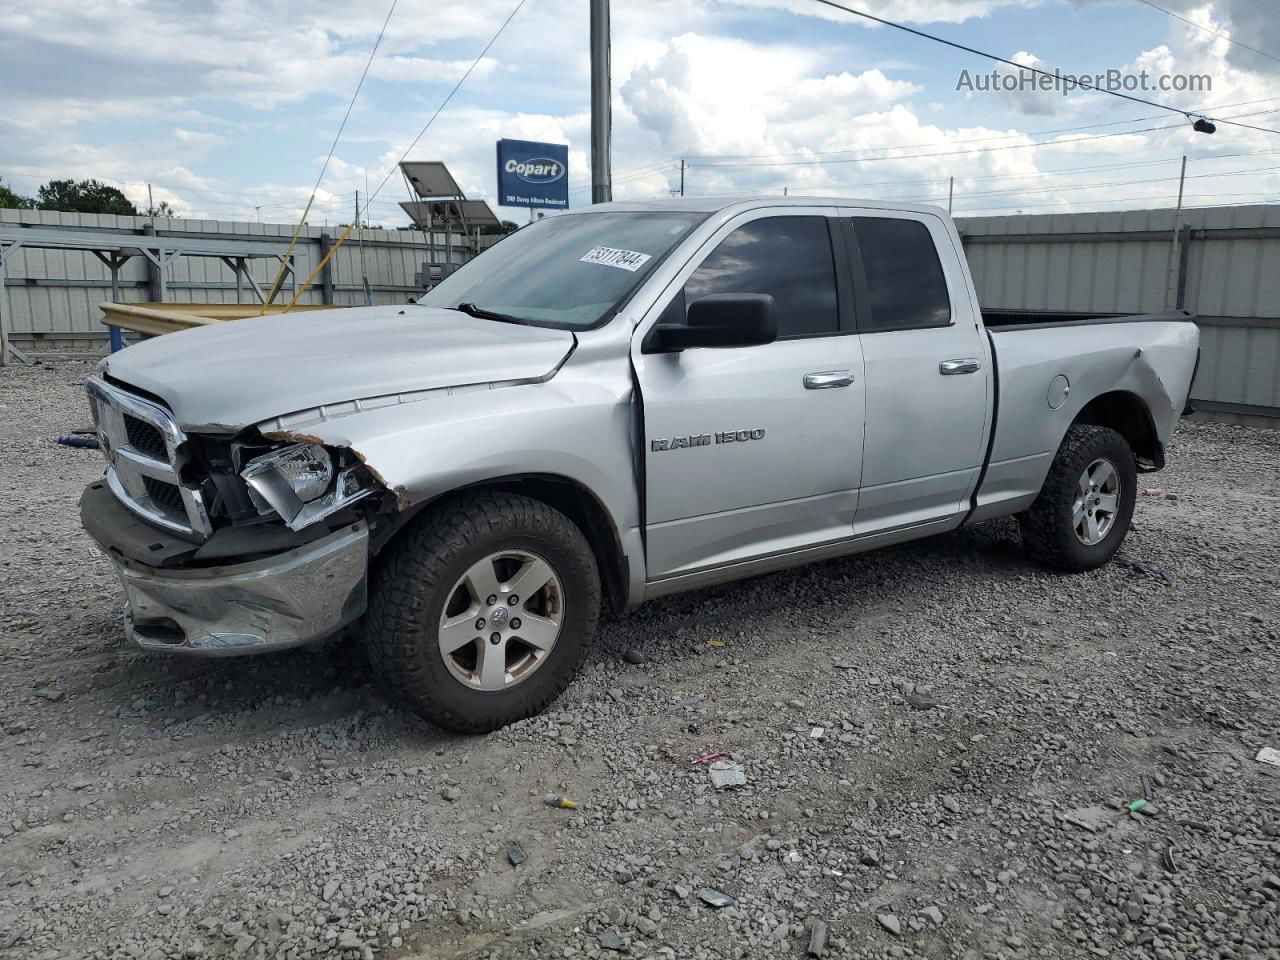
(1097, 502)
(501, 620)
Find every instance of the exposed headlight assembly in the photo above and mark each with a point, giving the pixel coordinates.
(302, 484)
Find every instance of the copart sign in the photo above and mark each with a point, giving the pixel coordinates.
(532, 174)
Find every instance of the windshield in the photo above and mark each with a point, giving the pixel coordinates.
(572, 271)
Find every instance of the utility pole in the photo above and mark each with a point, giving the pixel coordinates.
(1182, 179)
(258, 210)
(682, 176)
(1175, 252)
(951, 190)
(364, 271)
(151, 206)
(601, 109)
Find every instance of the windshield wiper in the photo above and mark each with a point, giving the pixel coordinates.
(471, 310)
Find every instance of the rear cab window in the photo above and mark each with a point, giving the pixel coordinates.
(898, 274)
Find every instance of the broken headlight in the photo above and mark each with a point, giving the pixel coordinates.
(302, 483)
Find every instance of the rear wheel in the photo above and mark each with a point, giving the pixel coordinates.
(1083, 511)
(483, 610)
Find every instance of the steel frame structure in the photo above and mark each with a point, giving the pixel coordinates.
(115, 249)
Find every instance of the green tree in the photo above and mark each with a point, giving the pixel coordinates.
(13, 201)
(84, 196)
(161, 209)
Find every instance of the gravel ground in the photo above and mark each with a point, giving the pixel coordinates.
(939, 742)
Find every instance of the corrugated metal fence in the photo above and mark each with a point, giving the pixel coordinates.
(1224, 267)
(54, 294)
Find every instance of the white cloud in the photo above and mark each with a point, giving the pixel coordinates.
(197, 138)
(409, 69)
(236, 74)
(715, 94)
(1251, 23)
(908, 11)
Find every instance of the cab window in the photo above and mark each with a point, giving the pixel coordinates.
(906, 288)
(787, 257)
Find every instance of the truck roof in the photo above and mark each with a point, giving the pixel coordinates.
(718, 204)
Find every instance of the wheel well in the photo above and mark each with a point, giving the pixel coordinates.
(1126, 414)
(578, 504)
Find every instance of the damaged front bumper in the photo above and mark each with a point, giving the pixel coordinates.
(283, 600)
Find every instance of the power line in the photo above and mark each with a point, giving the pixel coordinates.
(1222, 36)
(302, 220)
(1003, 136)
(1249, 126)
(1034, 189)
(1006, 176)
(445, 102)
(1114, 183)
(668, 162)
(638, 173)
(846, 184)
(391, 207)
(1031, 189)
(906, 146)
(950, 153)
(1165, 196)
(1020, 66)
(287, 203)
(346, 116)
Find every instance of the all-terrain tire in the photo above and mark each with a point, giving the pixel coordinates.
(1048, 527)
(413, 582)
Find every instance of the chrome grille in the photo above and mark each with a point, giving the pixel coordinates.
(166, 496)
(140, 440)
(145, 438)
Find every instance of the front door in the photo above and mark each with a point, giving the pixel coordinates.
(754, 451)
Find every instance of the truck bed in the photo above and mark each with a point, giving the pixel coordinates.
(1049, 364)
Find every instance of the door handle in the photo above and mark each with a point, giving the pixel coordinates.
(827, 380)
(949, 368)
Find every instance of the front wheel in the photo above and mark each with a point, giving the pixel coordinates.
(1083, 511)
(483, 610)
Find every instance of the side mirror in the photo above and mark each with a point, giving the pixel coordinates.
(720, 320)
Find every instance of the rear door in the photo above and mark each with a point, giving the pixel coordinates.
(754, 451)
(926, 369)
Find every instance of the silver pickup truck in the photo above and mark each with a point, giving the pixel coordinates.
(608, 406)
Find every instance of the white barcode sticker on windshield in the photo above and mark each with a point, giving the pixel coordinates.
(613, 257)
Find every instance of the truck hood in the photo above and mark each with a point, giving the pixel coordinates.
(225, 377)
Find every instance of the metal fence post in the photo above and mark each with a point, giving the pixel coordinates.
(1184, 260)
(7, 349)
(4, 311)
(117, 337)
(155, 275)
(326, 274)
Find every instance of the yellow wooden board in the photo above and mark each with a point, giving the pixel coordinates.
(155, 319)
